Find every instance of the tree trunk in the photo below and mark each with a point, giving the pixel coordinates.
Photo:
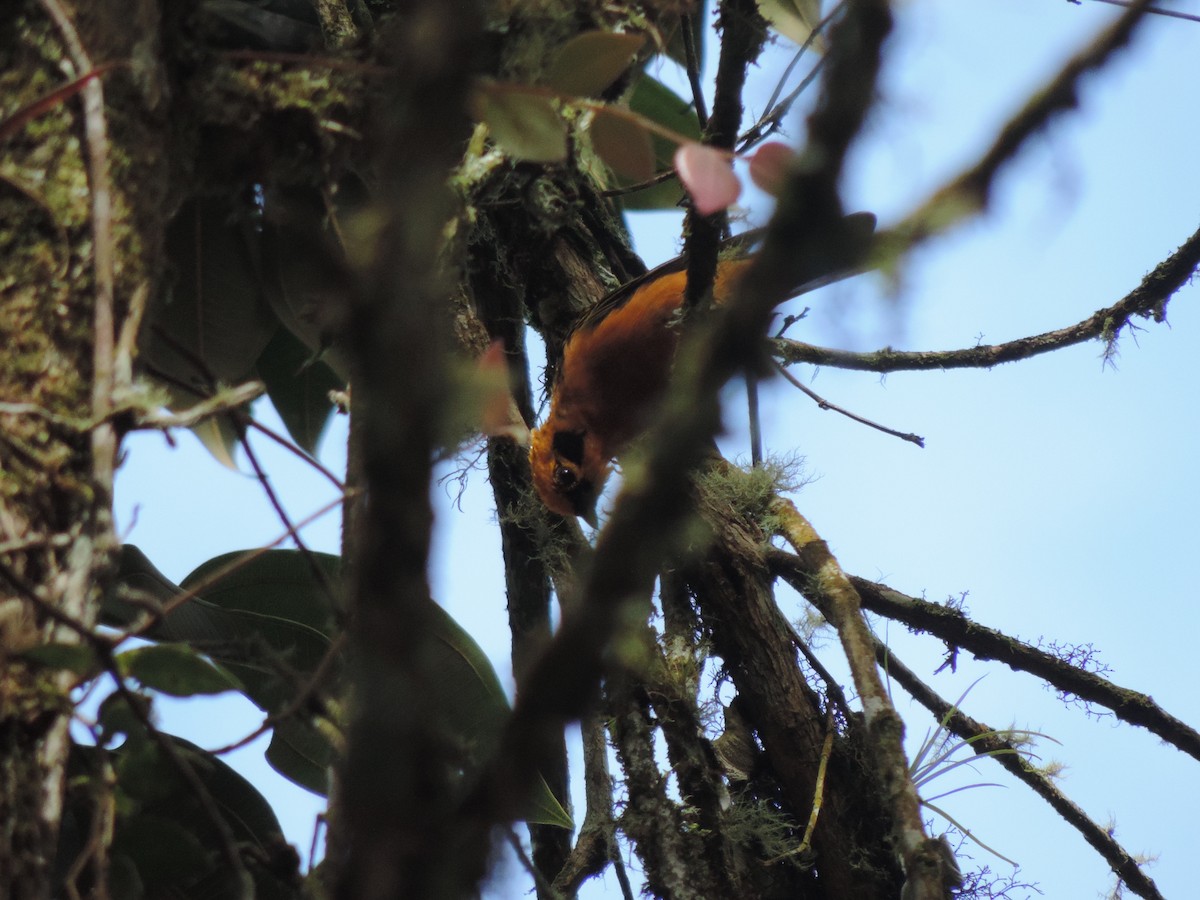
(73, 251)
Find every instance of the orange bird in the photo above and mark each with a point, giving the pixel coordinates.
(615, 367)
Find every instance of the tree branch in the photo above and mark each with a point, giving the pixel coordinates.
(957, 630)
(1148, 301)
(985, 741)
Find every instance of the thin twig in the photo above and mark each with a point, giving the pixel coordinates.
(833, 691)
(48, 101)
(319, 574)
(544, 888)
(1150, 10)
(221, 402)
(752, 414)
(95, 126)
(596, 844)
(291, 446)
(225, 571)
(825, 404)
(301, 699)
(774, 113)
(693, 69)
(770, 122)
(660, 178)
(818, 794)
(98, 642)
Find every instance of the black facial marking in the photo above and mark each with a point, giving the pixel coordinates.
(583, 499)
(569, 445)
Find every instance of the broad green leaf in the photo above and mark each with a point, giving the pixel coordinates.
(213, 322)
(124, 883)
(658, 103)
(299, 387)
(794, 19)
(150, 789)
(164, 852)
(588, 63)
(305, 273)
(77, 658)
(524, 123)
(139, 578)
(245, 809)
(273, 604)
(301, 754)
(277, 584)
(175, 669)
(623, 144)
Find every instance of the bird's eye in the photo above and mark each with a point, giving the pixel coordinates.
(564, 478)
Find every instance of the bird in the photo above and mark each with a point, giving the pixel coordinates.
(616, 365)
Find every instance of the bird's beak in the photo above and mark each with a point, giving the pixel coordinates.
(589, 515)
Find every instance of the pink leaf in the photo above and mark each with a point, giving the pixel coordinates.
(769, 166)
(707, 174)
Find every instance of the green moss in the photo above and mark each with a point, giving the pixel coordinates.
(241, 95)
(752, 490)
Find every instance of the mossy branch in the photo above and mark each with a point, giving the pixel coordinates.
(1148, 301)
(986, 741)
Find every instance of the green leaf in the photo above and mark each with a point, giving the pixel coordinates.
(524, 123)
(175, 669)
(588, 63)
(301, 754)
(623, 144)
(77, 658)
(544, 808)
(271, 603)
(299, 386)
(150, 789)
(305, 271)
(247, 811)
(794, 19)
(279, 585)
(115, 718)
(137, 579)
(163, 851)
(214, 322)
(124, 883)
(658, 103)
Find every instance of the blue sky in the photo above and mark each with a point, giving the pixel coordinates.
(1060, 493)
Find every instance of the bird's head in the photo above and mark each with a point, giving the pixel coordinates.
(568, 473)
